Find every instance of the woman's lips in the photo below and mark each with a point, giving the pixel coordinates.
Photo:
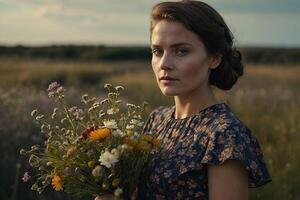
(167, 79)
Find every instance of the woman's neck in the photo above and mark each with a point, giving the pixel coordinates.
(193, 102)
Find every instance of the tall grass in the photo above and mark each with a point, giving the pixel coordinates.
(267, 100)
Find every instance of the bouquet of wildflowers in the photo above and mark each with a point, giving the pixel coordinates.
(93, 150)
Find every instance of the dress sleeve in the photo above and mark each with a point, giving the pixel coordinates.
(237, 142)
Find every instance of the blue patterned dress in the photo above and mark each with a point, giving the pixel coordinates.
(212, 136)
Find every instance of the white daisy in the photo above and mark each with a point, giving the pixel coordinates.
(118, 132)
(108, 159)
(112, 124)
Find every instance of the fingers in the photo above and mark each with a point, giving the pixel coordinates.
(134, 194)
(105, 197)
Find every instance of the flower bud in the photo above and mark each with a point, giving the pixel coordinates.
(118, 192)
(119, 88)
(34, 160)
(23, 152)
(39, 117)
(105, 186)
(34, 112)
(97, 171)
(107, 86)
(116, 182)
(91, 164)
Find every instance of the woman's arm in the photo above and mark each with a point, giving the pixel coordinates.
(228, 181)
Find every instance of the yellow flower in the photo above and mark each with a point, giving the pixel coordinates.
(130, 142)
(129, 132)
(142, 147)
(56, 183)
(99, 134)
(156, 142)
(147, 138)
(152, 140)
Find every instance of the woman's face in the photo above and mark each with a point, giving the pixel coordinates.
(179, 59)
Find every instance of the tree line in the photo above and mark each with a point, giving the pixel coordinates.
(258, 55)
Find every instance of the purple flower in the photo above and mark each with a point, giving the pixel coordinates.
(77, 112)
(26, 177)
(55, 88)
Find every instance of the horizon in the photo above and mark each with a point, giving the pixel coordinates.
(129, 46)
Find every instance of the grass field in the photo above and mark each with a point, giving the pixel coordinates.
(266, 98)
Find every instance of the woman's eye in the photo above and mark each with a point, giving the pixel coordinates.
(181, 52)
(157, 52)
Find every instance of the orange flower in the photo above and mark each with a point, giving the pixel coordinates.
(56, 183)
(99, 134)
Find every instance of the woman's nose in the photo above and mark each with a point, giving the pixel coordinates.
(166, 62)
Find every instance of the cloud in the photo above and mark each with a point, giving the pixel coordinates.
(265, 28)
(119, 22)
(257, 6)
(54, 21)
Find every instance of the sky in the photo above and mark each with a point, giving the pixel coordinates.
(126, 22)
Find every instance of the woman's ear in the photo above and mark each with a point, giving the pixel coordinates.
(215, 60)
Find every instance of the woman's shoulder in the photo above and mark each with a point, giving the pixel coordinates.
(224, 127)
(220, 118)
(229, 138)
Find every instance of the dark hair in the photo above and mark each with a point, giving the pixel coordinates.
(212, 30)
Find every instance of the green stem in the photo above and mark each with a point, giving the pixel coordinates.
(68, 114)
(16, 183)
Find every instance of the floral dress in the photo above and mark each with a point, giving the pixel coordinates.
(212, 136)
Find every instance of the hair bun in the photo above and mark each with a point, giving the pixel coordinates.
(229, 70)
(235, 61)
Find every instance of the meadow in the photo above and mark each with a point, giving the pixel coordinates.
(266, 98)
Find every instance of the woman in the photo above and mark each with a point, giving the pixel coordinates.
(208, 153)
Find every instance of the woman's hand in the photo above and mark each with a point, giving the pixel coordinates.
(112, 197)
(105, 197)
(134, 194)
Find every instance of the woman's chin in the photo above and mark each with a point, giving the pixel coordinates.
(168, 92)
